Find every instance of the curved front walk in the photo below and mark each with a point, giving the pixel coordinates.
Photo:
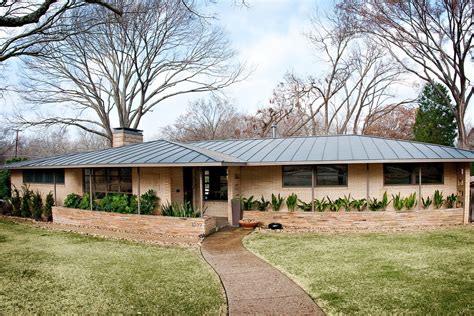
(253, 286)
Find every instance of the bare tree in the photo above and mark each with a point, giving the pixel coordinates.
(358, 81)
(206, 120)
(126, 67)
(430, 39)
(27, 26)
(396, 123)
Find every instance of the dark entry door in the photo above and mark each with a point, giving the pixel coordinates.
(188, 184)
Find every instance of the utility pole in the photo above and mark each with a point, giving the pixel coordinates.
(16, 142)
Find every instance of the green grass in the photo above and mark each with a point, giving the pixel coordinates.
(378, 273)
(58, 273)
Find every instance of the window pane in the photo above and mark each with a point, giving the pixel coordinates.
(48, 176)
(400, 173)
(331, 175)
(215, 183)
(60, 176)
(42, 176)
(297, 176)
(432, 173)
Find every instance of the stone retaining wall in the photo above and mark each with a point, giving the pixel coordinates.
(342, 221)
(139, 224)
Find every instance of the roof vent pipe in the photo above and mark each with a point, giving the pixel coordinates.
(274, 131)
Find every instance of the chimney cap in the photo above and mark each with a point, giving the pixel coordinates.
(128, 130)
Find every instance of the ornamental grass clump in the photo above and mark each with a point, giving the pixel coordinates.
(451, 200)
(438, 199)
(398, 202)
(426, 202)
(291, 202)
(305, 207)
(359, 204)
(186, 209)
(248, 203)
(410, 201)
(262, 204)
(376, 205)
(277, 201)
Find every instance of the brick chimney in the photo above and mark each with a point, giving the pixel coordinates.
(124, 136)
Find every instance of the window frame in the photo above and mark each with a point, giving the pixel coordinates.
(314, 176)
(105, 173)
(415, 174)
(45, 172)
(221, 183)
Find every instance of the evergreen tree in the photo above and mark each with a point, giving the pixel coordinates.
(435, 121)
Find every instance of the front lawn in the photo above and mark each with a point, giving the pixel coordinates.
(378, 273)
(61, 273)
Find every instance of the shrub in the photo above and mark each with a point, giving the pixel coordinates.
(48, 207)
(85, 202)
(37, 206)
(116, 203)
(359, 204)
(277, 201)
(6, 207)
(438, 199)
(262, 204)
(26, 201)
(398, 202)
(148, 202)
(248, 203)
(180, 210)
(5, 186)
(451, 200)
(16, 202)
(376, 205)
(291, 202)
(426, 203)
(72, 200)
(321, 205)
(306, 207)
(410, 201)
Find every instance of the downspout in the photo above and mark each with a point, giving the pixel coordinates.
(419, 187)
(90, 187)
(367, 173)
(55, 193)
(139, 197)
(312, 189)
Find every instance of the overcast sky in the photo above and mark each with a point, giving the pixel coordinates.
(269, 36)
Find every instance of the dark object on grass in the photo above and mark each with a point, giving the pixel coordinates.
(274, 226)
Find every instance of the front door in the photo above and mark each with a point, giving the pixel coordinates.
(188, 184)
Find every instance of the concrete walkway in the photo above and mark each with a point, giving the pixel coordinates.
(253, 286)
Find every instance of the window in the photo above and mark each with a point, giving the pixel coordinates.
(43, 176)
(325, 175)
(408, 174)
(108, 180)
(215, 183)
(297, 176)
(329, 175)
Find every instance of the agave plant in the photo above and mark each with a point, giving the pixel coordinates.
(277, 201)
(262, 204)
(321, 205)
(345, 203)
(410, 201)
(248, 203)
(291, 202)
(359, 204)
(306, 207)
(451, 200)
(426, 203)
(438, 199)
(398, 202)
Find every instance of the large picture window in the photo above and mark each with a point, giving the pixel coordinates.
(215, 183)
(331, 175)
(108, 180)
(408, 174)
(297, 176)
(325, 175)
(43, 176)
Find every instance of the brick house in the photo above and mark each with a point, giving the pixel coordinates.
(214, 173)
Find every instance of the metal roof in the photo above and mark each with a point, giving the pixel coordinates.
(155, 153)
(266, 151)
(333, 149)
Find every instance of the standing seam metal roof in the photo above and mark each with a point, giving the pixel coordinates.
(270, 151)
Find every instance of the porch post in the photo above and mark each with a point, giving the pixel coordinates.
(467, 191)
(55, 193)
(201, 190)
(139, 196)
(367, 178)
(312, 189)
(419, 187)
(90, 187)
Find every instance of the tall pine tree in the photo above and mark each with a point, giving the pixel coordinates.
(435, 121)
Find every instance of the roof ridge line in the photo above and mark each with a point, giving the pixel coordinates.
(211, 154)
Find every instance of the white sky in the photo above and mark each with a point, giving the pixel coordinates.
(269, 37)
